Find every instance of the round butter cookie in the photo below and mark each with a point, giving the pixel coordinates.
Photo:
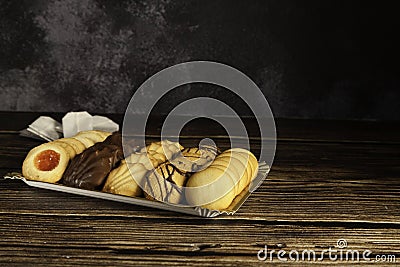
(231, 173)
(103, 134)
(92, 135)
(242, 173)
(85, 141)
(77, 145)
(250, 157)
(244, 159)
(46, 163)
(210, 188)
(70, 149)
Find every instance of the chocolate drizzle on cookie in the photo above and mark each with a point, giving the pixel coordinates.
(194, 159)
(164, 184)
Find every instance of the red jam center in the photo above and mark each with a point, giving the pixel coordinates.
(47, 160)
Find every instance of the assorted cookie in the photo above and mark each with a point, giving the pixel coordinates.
(165, 184)
(47, 162)
(227, 176)
(193, 159)
(162, 171)
(132, 171)
(89, 169)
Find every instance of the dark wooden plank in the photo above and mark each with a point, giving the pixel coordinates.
(287, 129)
(302, 155)
(328, 182)
(283, 197)
(339, 131)
(308, 182)
(111, 240)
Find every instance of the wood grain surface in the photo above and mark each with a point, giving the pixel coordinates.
(325, 185)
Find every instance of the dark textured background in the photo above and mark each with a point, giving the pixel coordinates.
(312, 59)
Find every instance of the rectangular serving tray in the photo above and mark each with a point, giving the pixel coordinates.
(263, 171)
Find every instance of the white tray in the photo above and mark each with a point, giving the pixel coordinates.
(263, 171)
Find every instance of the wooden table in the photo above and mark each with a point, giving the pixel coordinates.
(330, 180)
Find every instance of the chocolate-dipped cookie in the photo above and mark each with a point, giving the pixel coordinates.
(89, 169)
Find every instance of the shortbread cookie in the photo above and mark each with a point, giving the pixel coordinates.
(127, 178)
(122, 181)
(165, 147)
(165, 184)
(85, 141)
(77, 145)
(227, 176)
(103, 134)
(211, 188)
(70, 149)
(89, 138)
(46, 163)
(242, 172)
(146, 159)
(92, 135)
(194, 159)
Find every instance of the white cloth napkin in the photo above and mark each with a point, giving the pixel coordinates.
(46, 128)
(74, 122)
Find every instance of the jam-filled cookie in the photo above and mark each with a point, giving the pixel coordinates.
(46, 163)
